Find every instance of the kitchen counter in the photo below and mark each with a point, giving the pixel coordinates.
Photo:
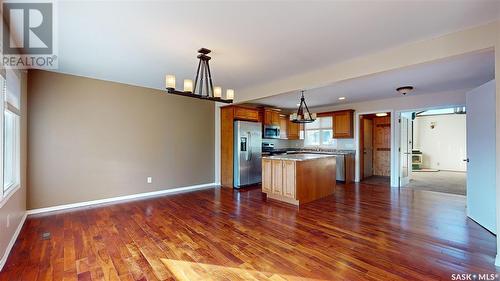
(298, 157)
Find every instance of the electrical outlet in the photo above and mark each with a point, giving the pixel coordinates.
(8, 220)
(150, 180)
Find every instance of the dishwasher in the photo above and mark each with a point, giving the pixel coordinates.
(340, 160)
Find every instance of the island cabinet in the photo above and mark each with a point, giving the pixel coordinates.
(298, 179)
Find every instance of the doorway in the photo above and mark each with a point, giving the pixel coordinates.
(433, 150)
(375, 147)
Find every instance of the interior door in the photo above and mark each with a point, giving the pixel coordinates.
(368, 148)
(405, 149)
(481, 153)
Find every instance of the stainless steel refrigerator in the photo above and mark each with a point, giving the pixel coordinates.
(247, 153)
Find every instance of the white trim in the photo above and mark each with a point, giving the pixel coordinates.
(8, 194)
(122, 198)
(12, 241)
(397, 136)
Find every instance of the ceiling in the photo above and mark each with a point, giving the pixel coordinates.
(451, 74)
(138, 42)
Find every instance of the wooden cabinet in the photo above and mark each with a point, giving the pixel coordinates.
(297, 182)
(293, 130)
(248, 114)
(271, 117)
(349, 165)
(267, 175)
(283, 126)
(228, 115)
(289, 178)
(277, 177)
(343, 124)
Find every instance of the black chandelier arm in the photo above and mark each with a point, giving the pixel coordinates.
(200, 92)
(196, 79)
(207, 78)
(210, 78)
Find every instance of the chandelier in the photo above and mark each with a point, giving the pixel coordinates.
(303, 114)
(203, 86)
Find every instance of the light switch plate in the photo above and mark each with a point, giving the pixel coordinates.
(150, 179)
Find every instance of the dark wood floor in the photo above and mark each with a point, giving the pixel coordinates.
(363, 232)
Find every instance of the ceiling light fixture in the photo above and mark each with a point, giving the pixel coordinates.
(381, 114)
(342, 98)
(203, 82)
(303, 114)
(404, 90)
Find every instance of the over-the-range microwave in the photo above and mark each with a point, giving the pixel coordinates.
(271, 132)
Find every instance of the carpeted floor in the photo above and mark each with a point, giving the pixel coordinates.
(442, 181)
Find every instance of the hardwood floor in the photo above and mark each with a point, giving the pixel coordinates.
(362, 232)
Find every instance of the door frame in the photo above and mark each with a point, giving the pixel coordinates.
(357, 140)
(397, 138)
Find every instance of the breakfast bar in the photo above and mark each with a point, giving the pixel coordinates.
(298, 178)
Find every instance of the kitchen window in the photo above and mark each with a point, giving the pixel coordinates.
(319, 133)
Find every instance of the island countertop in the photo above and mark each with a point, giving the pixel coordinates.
(298, 157)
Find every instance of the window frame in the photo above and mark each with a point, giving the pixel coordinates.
(16, 148)
(7, 192)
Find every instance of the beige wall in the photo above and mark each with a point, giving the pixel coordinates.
(91, 139)
(15, 206)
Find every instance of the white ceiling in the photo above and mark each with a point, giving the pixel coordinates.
(138, 42)
(456, 73)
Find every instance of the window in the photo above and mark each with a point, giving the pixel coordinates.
(319, 132)
(11, 139)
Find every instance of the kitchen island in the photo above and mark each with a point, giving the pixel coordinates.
(298, 178)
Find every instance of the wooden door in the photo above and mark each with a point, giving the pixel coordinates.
(367, 148)
(283, 127)
(267, 172)
(289, 179)
(277, 176)
(382, 146)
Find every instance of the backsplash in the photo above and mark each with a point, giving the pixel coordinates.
(341, 144)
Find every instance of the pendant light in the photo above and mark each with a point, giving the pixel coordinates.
(303, 114)
(203, 87)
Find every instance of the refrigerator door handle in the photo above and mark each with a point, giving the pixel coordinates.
(249, 147)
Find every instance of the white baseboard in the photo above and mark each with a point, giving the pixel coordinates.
(12, 241)
(122, 198)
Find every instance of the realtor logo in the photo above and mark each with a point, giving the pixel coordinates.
(28, 35)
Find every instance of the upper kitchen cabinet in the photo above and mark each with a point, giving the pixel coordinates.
(283, 126)
(271, 117)
(293, 130)
(343, 124)
(246, 114)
